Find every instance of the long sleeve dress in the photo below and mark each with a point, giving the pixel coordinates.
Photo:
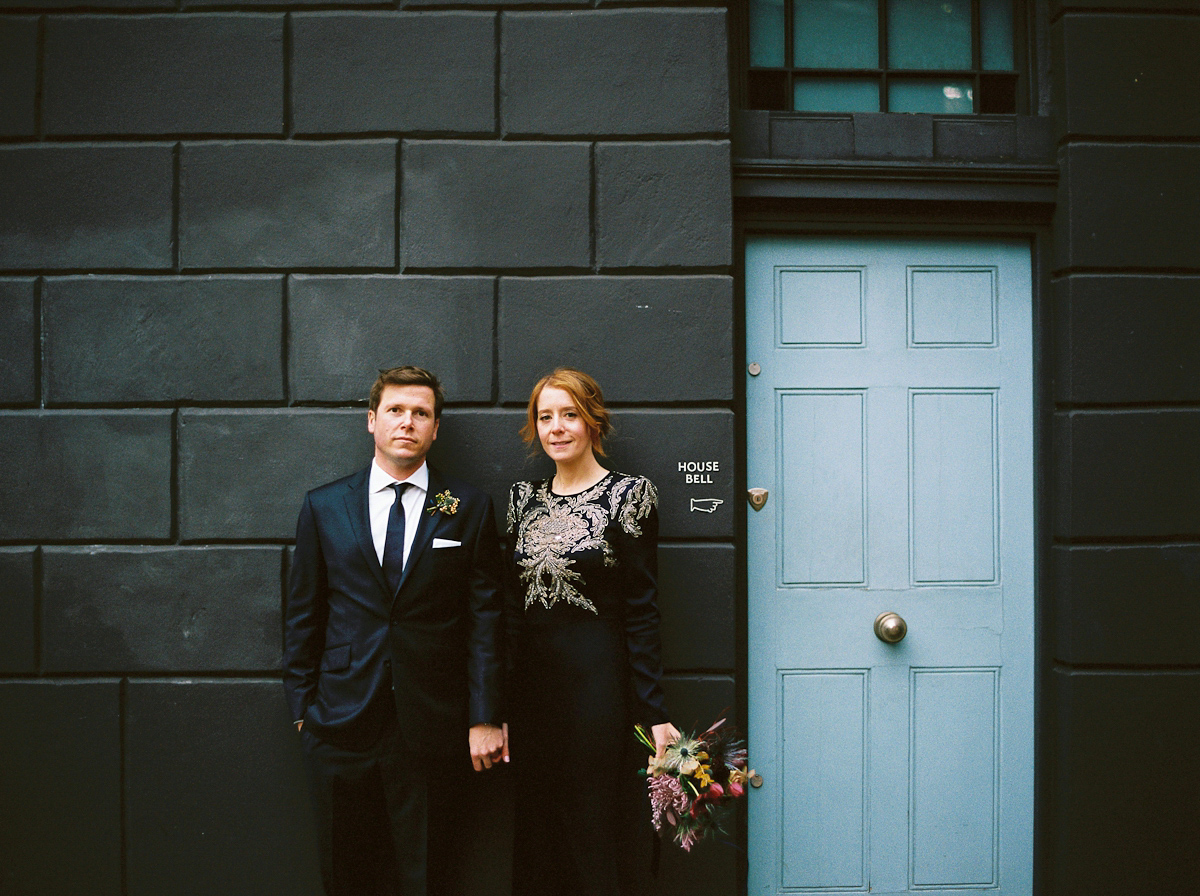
(586, 667)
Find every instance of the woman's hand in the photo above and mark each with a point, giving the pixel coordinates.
(664, 734)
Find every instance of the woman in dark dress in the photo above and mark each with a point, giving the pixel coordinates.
(585, 652)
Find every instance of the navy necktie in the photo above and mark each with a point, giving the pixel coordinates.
(393, 542)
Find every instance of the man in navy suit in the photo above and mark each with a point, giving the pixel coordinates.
(392, 652)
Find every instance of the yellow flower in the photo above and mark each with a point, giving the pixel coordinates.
(445, 502)
(704, 776)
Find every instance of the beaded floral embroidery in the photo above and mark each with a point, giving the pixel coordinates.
(549, 528)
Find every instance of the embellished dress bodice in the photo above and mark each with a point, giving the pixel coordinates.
(567, 547)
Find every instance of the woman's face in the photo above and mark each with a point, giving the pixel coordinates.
(562, 432)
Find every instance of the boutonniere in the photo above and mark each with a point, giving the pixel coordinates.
(445, 502)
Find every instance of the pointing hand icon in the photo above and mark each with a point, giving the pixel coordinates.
(706, 505)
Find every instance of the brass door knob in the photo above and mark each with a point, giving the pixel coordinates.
(890, 628)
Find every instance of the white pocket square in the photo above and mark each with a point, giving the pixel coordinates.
(446, 543)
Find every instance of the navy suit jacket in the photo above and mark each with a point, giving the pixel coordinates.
(433, 647)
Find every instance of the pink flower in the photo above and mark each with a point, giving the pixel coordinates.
(715, 790)
(688, 839)
(667, 799)
(736, 789)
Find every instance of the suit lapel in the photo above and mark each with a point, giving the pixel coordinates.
(358, 508)
(425, 529)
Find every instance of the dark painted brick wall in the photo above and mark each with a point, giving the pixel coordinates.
(664, 71)
(85, 207)
(112, 610)
(111, 475)
(1124, 576)
(1128, 473)
(18, 341)
(1129, 206)
(1129, 788)
(214, 798)
(1129, 604)
(287, 204)
(18, 75)
(60, 801)
(1127, 339)
(677, 329)
(496, 204)
(155, 75)
(655, 205)
(261, 452)
(1131, 76)
(217, 220)
(18, 610)
(162, 339)
(442, 323)
(359, 72)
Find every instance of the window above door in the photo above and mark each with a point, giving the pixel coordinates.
(932, 56)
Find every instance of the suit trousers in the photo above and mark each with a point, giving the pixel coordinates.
(386, 822)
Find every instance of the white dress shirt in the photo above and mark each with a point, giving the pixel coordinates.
(382, 496)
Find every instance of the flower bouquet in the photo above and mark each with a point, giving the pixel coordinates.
(694, 783)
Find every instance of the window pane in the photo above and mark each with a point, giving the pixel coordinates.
(929, 34)
(836, 33)
(766, 33)
(996, 37)
(836, 95)
(954, 96)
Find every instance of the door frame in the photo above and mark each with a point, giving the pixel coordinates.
(861, 218)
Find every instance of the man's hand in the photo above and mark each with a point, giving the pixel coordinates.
(488, 744)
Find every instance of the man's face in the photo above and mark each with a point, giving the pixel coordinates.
(404, 428)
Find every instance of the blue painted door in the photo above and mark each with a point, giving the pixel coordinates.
(891, 423)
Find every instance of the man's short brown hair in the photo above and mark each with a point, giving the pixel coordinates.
(408, 376)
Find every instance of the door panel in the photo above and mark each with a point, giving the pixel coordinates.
(822, 731)
(954, 777)
(892, 424)
(952, 484)
(822, 489)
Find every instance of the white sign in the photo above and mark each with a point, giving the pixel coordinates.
(699, 472)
